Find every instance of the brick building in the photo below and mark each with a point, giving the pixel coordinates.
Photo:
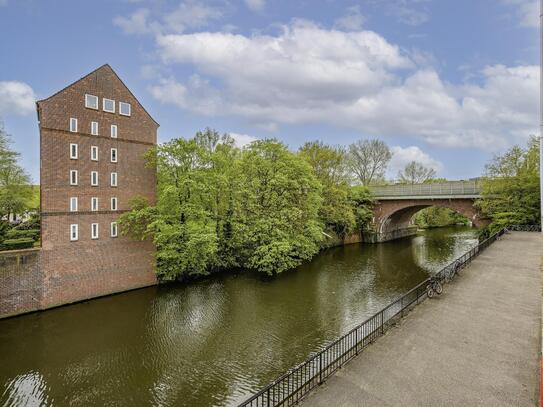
(93, 137)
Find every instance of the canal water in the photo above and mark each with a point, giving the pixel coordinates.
(213, 342)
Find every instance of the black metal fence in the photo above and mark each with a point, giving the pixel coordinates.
(524, 228)
(288, 389)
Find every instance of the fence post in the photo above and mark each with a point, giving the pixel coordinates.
(268, 397)
(382, 322)
(320, 368)
(356, 341)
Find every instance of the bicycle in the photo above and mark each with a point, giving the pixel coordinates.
(434, 287)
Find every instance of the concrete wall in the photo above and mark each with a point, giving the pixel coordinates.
(21, 282)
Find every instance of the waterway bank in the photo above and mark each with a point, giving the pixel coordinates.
(211, 342)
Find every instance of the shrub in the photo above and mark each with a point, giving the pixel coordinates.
(16, 244)
(33, 234)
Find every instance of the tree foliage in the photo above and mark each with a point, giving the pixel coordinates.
(368, 160)
(16, 193)
(510, 188)
(416, 173)
(262, 207)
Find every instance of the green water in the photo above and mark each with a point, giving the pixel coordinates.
(212, 342)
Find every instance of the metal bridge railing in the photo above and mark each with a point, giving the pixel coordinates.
(451, 188)
(291, 387)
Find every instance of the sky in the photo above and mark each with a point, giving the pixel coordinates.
(448, 83)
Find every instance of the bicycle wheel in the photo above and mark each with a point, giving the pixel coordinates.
(429, 291)
(438, 288)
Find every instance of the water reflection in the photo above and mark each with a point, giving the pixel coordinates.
(212, 342)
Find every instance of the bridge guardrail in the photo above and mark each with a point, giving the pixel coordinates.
(452, 188)
(291, 387)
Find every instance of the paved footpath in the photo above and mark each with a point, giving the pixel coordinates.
(478, 344)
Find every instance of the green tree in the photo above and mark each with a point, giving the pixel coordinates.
(16, 193)
(279, 207)
(510, 188)
(330, 167)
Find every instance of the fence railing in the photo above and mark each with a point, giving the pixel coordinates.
(524, 228)
(451, 188)
(291, 387)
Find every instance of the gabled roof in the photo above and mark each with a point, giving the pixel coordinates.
(105, 66)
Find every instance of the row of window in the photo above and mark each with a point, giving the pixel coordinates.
(94, 130)
(74, 204)
(74, 178)
(74, 153)
(108, 105)
(95, 228)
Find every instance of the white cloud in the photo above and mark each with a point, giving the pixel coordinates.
(16, 98)
(401, 156)
(136, 23)
(189, 14)
(358, 80)
(256, 5)
(242, 140)
(353, 20)
(527, 11)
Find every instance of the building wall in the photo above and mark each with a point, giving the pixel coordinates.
(20, 282)
(88, 268)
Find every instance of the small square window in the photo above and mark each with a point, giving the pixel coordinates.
(108, 105)
(73, 177)
(94, 204)
(73, 125)
(94, 178)
(73, 151)
(94, 153)
(114, 230)
(91, 101)
(94, 128)
(94, 231)
(74, 232)
(73, 204)
(113, 155)
(114, 204)
(113, 179)
(125, 109)
(113, 131)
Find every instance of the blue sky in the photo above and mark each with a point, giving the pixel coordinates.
(448, 83)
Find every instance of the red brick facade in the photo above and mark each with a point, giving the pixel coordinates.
(87, 268)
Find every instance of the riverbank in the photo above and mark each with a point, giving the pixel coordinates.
(477, 344)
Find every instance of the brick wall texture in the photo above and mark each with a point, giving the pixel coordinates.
(71, 271)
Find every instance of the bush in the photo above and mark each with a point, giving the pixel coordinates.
(33, 234)
(16, 244)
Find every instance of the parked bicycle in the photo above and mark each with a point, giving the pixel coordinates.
(454, 271)
(434, 287)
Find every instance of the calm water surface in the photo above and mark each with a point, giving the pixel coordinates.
(213, 342)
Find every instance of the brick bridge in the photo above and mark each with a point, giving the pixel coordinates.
(396, 205)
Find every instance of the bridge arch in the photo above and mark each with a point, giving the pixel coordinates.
(396, 204)
(396, 215)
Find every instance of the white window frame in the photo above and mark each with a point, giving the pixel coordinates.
(113, 155)
(94, 231)
(73, 151)
(121, 110)
(94, 184)
(94, 153)
(113, 131)
(73, 125)
(87, 105)
(94, 204)
(94, 128)
(114, 203)
(113, 179)
(114, 229)
(72, 173)
(73, 204)
(74, 232)
(104, 100)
